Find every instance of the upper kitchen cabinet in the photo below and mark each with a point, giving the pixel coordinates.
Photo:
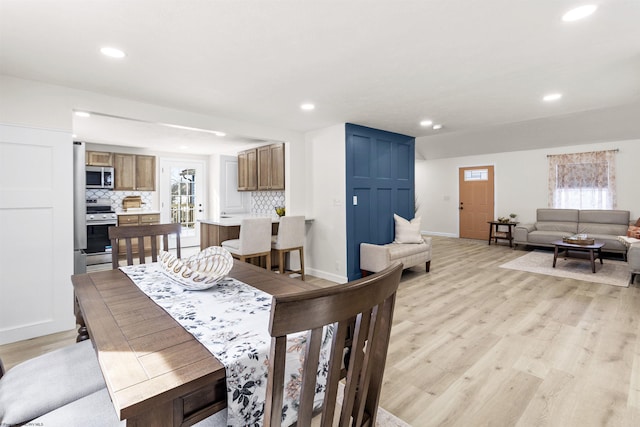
(98, 158)
(145, 173)
(271, 167)
(248, 170)
(134, 172)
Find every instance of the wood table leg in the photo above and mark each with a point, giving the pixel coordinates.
(555, 256)
(593, 262)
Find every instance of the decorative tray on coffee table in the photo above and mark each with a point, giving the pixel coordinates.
(579, 240)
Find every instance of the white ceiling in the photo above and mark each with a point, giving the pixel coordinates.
(477, 67)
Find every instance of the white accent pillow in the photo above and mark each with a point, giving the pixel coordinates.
(407, 231)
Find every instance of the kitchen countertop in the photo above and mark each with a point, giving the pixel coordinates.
(236, 219)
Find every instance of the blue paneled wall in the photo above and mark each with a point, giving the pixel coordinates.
(380, 174)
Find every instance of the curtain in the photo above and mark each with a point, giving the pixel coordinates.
(583, 180)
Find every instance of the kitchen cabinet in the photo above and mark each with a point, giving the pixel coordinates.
(145, 173)
(248, 170)
(98, 158)
(261, 168)
(137, 219)
(134, 172)
(271, 167)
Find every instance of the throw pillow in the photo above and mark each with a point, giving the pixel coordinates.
(407, 231)
(638, 223)
(633, 231)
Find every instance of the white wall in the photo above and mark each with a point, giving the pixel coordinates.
(326, 244)
(520, 183)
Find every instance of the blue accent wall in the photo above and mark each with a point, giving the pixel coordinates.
(380, 168)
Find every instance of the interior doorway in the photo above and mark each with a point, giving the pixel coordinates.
(476, 195)
(182, 189)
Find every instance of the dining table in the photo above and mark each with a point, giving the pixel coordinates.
(157, 373)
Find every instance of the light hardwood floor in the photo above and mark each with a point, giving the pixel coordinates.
(477, 345)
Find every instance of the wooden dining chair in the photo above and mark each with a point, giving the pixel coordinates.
(143, 239)
(361, 312)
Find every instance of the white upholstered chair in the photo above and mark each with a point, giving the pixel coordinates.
(254, 240)
(290, 238)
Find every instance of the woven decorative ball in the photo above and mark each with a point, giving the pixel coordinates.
(200, 271)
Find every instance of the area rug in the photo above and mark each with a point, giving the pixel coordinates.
(612, 272)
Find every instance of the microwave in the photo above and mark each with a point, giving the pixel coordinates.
(99, 177)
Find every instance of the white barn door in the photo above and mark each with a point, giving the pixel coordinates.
(36, 232)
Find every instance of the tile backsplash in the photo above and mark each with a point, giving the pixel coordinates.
(117, 196)
(264, 202)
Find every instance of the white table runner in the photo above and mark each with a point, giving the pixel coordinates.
(231, 320)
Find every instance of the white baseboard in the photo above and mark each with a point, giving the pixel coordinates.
(326, 276)
(436, 233)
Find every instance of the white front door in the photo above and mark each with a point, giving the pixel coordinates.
(182, 190)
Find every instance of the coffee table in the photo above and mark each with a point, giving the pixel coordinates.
(596, 247)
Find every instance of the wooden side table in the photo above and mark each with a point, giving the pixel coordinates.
(495, 233)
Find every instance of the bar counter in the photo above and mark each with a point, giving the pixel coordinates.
(225, 227)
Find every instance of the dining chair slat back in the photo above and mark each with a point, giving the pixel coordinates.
(361, 312)
(146, 237)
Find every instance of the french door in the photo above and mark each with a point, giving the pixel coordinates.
(182, 190)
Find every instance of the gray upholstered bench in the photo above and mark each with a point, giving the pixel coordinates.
(374, 258)
(48, 382)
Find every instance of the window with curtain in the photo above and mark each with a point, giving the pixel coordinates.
(583, 180)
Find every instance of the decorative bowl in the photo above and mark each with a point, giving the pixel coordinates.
(579, 239)
(280, 210)
(200, 271)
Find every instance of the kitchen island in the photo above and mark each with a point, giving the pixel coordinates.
(215, 231)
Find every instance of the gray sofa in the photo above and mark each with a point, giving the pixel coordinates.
(554, 224)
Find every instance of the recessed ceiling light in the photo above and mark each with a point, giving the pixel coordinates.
(426, 123)
(579, 12)
(112, 52)
(437, 127)
(307, 107)
(183, 147)
(73, 135)
(552, 97)
(82, 114)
